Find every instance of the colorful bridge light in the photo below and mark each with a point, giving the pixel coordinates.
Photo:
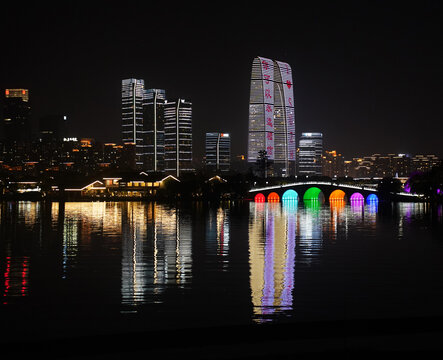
(273, 197)
(312, 194)
(290, 195)
(357, 197)
(337, 195)
(372, 198)
(259, 198)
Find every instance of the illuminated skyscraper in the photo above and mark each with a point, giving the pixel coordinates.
(310, 154)
(178, 137)
(153, 119)
(218, 151)
(132, 118)
(16, 115)
(272, 115)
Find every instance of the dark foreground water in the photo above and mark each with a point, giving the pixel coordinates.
(91, 268)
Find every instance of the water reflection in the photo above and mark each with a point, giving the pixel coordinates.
(146, 251)
(156, 251)
(218, 234)
(272, 257)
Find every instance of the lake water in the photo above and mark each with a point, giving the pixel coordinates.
(88, 268)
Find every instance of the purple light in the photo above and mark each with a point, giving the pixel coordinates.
(439, 191)
(357, 197)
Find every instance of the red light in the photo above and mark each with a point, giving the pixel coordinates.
(7, 92)
(23, 92)
(260, 198)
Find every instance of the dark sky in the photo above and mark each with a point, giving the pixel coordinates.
(367, 74)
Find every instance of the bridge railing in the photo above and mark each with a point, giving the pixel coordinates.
(328, 183)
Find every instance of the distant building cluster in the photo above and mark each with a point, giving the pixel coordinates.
(157, 138)
(376, 165)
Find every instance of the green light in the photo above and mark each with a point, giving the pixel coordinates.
(312, 194)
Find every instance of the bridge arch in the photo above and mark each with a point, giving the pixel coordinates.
(259, 198)
(313, 193)
(357, 197)
(372, 198)
(290, 195)
(273, 197)
(337, 195)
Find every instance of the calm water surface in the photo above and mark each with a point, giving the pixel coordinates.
(80, 268)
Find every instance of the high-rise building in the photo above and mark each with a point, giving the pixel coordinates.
(272, 115)
(178, 137)
(310, 154)
(16, 115)
(132, 118)
(218, 151)
(153, 119)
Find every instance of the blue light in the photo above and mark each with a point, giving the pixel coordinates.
(290, 195)
(372, 198)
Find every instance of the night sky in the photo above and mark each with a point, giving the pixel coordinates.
(367, 74)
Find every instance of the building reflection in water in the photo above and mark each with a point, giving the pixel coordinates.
(272, 232)
(156, 251)
(217, 235)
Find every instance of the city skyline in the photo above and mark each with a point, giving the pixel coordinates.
(366, 75)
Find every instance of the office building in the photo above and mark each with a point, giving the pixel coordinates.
(272, 115)
(153, 120)
(178, 137)
(16, 115)
(132, 119)
(218, 151)
(310, 154)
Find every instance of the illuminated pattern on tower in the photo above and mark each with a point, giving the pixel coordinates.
(272, 115)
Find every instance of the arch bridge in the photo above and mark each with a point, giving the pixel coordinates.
(314, 190)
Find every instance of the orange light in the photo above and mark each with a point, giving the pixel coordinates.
(23, 92)
(273, 197)
(337, 195)
(7, 92)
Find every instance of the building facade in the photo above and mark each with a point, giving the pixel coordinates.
(132, 118)
(153, 119)
(16, 115)
(310, 154)
(218, 151)
(272, 115)
(178, 137)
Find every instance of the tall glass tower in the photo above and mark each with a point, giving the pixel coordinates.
(218, 151)
(132, 118)
(272, 115)
(178, 137)
(153, 114)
